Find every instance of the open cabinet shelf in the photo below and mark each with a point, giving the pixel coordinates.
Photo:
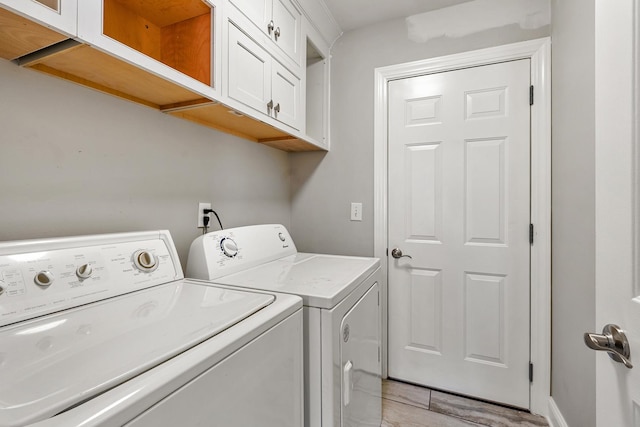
(176, 33)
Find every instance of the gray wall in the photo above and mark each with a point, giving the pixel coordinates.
(324, 185)
(75, 161)
(573, 203)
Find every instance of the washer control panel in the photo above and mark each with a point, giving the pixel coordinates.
(44, 281)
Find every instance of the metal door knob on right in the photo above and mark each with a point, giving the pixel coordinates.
(397, 254)
(612, 340)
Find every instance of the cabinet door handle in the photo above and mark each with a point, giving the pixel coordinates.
(270, 105)
(277, 33)
(277, 108)
(270, 26)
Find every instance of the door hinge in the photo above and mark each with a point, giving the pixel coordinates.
(531, 234)
(530, 372)
(531, 95)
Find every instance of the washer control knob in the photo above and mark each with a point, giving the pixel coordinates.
(229, 247)
(43, 278)
(281, 236)
(145, 261)
(84, 271)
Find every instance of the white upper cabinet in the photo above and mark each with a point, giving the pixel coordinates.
(280, 20)
(260, 82)
(60, 15)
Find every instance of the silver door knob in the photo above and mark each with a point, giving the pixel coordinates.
(613, 341)
(397, 254)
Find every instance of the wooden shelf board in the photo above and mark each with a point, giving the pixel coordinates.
(20, 36)
(219, 117)
(98, 70)
(290, 144)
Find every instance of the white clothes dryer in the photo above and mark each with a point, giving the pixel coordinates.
(342, 317)
(105, 331)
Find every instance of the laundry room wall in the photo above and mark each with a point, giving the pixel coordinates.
(324, 185)
(573, 382)
(75, 161)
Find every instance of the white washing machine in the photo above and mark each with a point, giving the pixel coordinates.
(104, 331)
(341, 314)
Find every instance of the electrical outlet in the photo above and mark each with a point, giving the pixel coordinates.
(356, 211)
(201, 208)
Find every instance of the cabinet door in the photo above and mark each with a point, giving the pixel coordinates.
(249, 71)
(258, 12)
(58, 14)
(287, 20)
(286, 96)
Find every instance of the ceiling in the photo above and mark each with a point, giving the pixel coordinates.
(352, 14)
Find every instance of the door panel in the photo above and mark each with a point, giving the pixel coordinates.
(459, 204)
(258, 11)
(617, 218)
(286, 96)
(249, 71)
(288, 22)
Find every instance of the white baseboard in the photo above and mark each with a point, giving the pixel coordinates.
(555, 417)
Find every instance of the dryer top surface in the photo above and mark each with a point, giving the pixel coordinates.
(321, 280)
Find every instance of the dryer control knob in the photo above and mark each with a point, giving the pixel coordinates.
(84, 271)
(281, 236)
(43, 278)
(229, 247)
(145, 261)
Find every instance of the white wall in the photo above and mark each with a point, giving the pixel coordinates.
(324, 185)
(573, 201)
(75, 161)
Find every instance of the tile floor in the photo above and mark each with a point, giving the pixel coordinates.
(406, 405)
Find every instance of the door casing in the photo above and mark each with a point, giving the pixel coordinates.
(539, 51)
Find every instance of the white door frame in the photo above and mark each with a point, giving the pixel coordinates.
(539, 52)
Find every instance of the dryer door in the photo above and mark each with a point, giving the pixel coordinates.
(360, 361)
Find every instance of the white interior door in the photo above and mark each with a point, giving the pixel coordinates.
(459, 205)
(617, 225)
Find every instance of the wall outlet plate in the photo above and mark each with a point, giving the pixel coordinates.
(201, 207)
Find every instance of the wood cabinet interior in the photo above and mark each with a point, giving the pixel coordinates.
(20, 36)
(52, 4)
(174, 32)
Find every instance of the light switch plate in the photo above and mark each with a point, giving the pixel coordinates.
(356, 211)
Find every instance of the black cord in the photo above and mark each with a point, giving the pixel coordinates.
(207, 212)
(205, 223)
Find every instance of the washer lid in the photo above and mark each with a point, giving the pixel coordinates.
(54, 362)
(321, 280)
